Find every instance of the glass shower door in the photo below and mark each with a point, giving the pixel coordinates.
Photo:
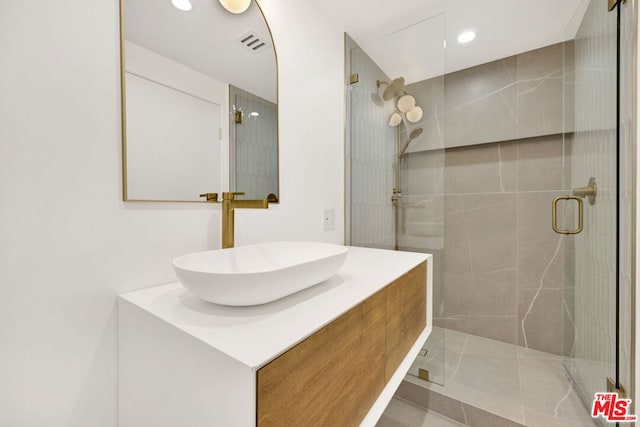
(596, 294)
(395, 168)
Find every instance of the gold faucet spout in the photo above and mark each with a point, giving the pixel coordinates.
(249, 204)
(229, 204)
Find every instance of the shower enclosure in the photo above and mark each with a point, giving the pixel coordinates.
(517, 178)
(390, 121)
(598, 122)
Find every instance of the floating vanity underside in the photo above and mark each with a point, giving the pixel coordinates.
(333, 354)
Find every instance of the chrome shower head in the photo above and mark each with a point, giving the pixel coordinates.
(394, 87)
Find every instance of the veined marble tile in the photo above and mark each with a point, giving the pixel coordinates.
(500, 328)
(541, 263)
(541, 163)
(402, 414)
(487, 168)
(540, 319)
(481, 372)
(423, 173)
(547, 389)
(477, 99)
(540, 91)
(545, 392)
(537, 419)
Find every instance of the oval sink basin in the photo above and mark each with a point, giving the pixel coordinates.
(258, 274)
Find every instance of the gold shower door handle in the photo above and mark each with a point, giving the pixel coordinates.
(554, 215)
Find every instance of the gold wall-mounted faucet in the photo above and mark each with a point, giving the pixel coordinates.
(229, 204)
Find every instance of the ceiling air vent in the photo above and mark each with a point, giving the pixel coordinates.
(254, 42)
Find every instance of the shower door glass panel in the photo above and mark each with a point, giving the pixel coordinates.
(395, 191)
(592, 137)
(254, 145)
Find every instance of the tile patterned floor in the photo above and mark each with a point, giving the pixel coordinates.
(525, 386)
(403, 414)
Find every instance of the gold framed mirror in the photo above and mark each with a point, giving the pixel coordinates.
(199, 101)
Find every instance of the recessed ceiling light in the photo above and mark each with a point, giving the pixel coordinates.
(184, 5)
(466, 37)
(254, 114)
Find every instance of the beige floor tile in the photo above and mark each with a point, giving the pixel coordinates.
(537, 419)
(505, 379)
(403, 414)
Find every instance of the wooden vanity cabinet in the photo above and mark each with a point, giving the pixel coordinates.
(332, 355)
(334, 377)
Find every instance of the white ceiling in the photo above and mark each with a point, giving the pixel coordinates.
(205, 39)
(404, 37)
(503, 28)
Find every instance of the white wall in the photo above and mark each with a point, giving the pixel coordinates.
(311, 127)
(150, 75)
(68, 244)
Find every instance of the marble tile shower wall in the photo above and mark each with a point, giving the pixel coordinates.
(506, 159)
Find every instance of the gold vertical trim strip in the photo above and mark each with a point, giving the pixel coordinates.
(123, 104)
(349, 44)
(633, 8)
(275, 54)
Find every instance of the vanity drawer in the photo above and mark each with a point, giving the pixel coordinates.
(406, 316)
(334, 377)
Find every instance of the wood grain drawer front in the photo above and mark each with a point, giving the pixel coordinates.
(330, 379)
(406, 316)
(334, 377)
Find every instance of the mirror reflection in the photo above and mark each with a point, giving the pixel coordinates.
(199, 100)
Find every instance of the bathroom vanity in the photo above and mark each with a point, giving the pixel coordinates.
(332, 355)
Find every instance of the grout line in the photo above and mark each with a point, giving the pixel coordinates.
(477, 316)
(455, 371)
(517, 348)
(502, 62)
(500, 179)
(499, 271)
(469, 249)
(524, 419)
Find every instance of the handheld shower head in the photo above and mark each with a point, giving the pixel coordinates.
(413, 135)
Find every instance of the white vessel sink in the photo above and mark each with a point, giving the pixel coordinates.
(258, 274)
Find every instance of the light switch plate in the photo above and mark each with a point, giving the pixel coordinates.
(329, 220)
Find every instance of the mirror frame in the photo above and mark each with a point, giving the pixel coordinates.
(123, 115)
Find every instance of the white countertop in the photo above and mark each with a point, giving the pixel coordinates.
(256, 335)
